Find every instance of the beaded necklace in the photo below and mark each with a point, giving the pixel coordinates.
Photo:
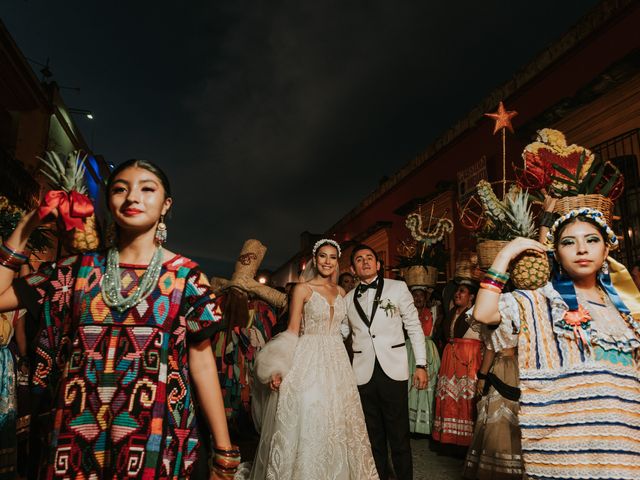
(112, 282)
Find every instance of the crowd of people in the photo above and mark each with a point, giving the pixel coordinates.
(537, 384)
(107, 368)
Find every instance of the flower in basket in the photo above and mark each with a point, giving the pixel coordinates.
(563, 170)
(442, 227)
(506, 220)
(423, 255)
(568, 161)
(425, 248)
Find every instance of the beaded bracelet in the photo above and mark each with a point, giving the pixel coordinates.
(495, 275)
(12, 259)
(490, 287)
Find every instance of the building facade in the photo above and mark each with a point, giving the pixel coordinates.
(586, 85)
(33, 120)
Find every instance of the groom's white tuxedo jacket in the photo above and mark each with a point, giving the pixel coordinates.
(382, 336)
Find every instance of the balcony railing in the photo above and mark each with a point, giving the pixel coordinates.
(624, 152)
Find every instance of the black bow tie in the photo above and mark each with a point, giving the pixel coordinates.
(363, 287)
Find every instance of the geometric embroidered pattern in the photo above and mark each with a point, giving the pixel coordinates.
(125, 407)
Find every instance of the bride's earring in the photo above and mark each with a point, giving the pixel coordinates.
(605, 268)
(161, 231)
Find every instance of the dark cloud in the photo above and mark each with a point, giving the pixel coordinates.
(277, 117)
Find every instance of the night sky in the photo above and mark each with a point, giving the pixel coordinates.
(276, 117)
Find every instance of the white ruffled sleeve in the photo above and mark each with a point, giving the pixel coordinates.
(276, 357)
(506, 334)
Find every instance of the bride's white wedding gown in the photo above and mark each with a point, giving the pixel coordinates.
(318, 431)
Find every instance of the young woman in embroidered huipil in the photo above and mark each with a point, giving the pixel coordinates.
(125, 346)
(578, 354)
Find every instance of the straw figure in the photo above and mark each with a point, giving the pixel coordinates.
(250, 312)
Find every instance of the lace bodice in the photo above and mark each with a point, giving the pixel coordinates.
(321, 318)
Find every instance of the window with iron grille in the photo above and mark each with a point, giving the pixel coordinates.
(624, 152)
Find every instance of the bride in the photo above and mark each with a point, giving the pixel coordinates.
(309, 411)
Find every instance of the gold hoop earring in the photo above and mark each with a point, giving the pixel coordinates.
(161, 231)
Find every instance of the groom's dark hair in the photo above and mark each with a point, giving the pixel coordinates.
(362, 246)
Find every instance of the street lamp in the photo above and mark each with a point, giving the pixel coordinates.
(81, 111)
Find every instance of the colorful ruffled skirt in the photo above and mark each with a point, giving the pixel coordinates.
(496, 452)
(455, 392)
(421, 401)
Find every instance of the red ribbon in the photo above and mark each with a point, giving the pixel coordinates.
(72, 207)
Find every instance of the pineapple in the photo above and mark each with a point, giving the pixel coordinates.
(518, 214)
(506, 220)
(68, 175)
(531, 269)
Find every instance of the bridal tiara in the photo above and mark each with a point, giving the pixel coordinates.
(325, 241)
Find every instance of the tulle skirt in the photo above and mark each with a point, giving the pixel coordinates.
(455, 392)
(314, 428)
(421, 402)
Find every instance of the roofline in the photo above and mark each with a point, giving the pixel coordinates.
(590, 22)
(36, 90)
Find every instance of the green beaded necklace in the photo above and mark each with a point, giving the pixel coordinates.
(112, 282)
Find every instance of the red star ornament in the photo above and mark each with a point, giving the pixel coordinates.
(503, 118)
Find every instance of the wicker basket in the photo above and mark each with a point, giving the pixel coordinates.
(599, 202)
(419, 275)
(487, 251)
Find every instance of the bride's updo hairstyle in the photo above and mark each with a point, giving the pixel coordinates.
(136, 163)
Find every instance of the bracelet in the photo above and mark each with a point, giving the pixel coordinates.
(490, 287)
(12, 259)
(482, 376)
(502, 277)
(495, 283)
(423, 367)
(226, 474)
(547, 219)
(226, 460)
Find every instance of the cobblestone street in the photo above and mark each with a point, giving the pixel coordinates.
(428, 465)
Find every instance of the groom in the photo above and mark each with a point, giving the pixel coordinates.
(377, 310)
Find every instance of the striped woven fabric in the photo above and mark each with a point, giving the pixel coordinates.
(580, 406)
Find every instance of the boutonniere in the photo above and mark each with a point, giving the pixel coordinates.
(388, 306)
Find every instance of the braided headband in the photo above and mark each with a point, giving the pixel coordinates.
(325, 241)
(592, 214)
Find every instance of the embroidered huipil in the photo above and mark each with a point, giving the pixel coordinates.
(580, 404)
(124, 402)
